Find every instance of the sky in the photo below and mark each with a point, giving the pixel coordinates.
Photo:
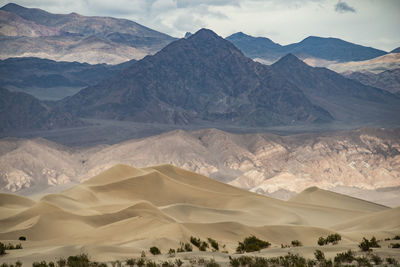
(374, 23)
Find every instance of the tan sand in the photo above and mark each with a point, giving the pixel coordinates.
(125, 210)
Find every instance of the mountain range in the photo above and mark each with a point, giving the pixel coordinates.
(363, 162)
(213, 81)
(51, 80)
(31, 32)
(331, 49)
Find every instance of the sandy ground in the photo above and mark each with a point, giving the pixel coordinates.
(124, 210)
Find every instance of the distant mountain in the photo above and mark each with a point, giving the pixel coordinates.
(256, 47)
(345, 99)
(73, 37)
(50, 80)
(331, 49)
(360, 160)
(388, 80)
(20, 111)
(396, 50)
(201, 78)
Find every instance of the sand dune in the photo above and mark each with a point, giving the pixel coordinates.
(320, 197)
(125, 210)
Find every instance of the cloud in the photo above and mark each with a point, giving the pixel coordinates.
(343, 7)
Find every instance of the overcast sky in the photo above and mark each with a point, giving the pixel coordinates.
(373, 23)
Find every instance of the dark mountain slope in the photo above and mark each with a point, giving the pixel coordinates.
(396, 50)
(20, 111)
(388, 80)
(203, 77)
(35, 75)
(346, 99)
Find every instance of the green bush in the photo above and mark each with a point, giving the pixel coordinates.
(195, 241)
(81, 260)
(155, 251)
(131, 262)
(347, 256)
(188, 247)
(22, 238)
(178, 262)
(392, 261)
(321, 241)
(395, 245)
(214, 244)
(203, 246)
(376, 259)
(251, 244)
(2, 249)
(296, 243)
(332, 238)
(319, 255)
(366, 244)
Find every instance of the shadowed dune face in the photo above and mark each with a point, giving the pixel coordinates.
(131, 209)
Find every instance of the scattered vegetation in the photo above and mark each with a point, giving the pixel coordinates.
(4, 247)
(251, 244)
(155, 251)
(366, 244)
(395, 245)
(333, 238)
(195, 241)
(345, 257)
(214, 244)
(397, 237)
(296, 243)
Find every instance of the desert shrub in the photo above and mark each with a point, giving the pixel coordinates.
(18, 263)
(155, 251)
(234, 262)
(51, 264)
(321, 241)
(397, 237)
(131, 262)
(347, 256)
(188, 247)
(251, 244)
(178, 262)
(214, 244)
(167, 264)
(2, 249)
(39, 264)
(143, 254)
(141, 262)
(319, 255)
(18, 246)
(366, 244)
(332, 238)
(392, 261)
(81, 260)
(395, 245)
(22, 238)
(363, 261)
(61, 262)
(171, 252)
(4, 265)
(296, 243)
(203, 246)
(150, 263)
(212, 263)
(376, 259)
(195, 241)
